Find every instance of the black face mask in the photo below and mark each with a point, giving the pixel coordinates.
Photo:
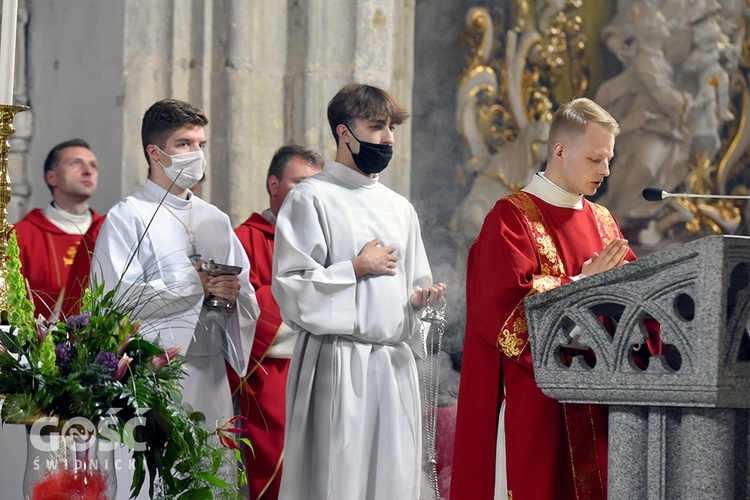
(372, 158)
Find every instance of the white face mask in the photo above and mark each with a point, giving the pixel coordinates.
(186, 169)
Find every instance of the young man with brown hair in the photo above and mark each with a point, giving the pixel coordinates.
(350, 276)
(151, 246)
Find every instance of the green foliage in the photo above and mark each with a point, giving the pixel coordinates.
(98, 366)
(20, 307)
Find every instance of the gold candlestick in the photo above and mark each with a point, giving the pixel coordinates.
(7, 129)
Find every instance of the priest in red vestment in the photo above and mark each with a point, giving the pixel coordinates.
(49, 238)
(261, 393)
(78, 277)
(512, 441)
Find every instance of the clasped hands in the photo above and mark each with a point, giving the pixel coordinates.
(612, 256)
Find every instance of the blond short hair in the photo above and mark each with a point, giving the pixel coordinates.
(572, 119)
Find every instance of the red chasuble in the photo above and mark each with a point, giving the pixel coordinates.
(78, 278)
(553, 450)
(262, 392)
(47, 254)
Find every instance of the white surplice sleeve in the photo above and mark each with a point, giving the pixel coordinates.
(421, 277)
(243, 318)
(314, 294)
(126, 257)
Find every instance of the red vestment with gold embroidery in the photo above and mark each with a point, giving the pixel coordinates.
(47, 254)
(553, 450)
(78, 277)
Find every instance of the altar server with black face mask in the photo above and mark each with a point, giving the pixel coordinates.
(350, 277)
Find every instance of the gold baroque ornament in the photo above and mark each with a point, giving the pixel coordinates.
(536, 54)
(515, 74)
(536, 60)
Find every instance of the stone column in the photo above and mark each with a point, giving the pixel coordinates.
(634, 422)
(336, 42)
(147, 54)
(384, 48)
(251, 73)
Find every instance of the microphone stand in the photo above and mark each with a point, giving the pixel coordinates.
(722, 223)
(656, 194)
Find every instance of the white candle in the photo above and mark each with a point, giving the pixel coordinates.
(8, 50)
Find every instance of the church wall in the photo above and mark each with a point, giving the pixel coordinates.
(247, 113)
(75, 88)
(263, 74)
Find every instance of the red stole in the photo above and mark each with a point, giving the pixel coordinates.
(78, 278)
(262, 392)
(514, 337)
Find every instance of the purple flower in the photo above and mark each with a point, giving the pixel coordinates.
(77, 321)
(107, 360)
(64, 353)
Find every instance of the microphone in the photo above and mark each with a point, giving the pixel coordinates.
(657, 194)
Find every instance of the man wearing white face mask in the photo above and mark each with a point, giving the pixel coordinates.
(151, 246)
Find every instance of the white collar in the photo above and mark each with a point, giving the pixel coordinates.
(161, 195)
(269, 216)
(541, 187)
(68, 222)
(350, 175)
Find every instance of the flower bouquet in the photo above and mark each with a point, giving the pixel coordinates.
(96, 367)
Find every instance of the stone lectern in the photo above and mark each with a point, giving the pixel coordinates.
(678, 422)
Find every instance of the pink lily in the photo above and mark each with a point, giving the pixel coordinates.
(123, 346)
(135, 327)
(160, 360)
(122, 367)
(227, 430)
(41, 330)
